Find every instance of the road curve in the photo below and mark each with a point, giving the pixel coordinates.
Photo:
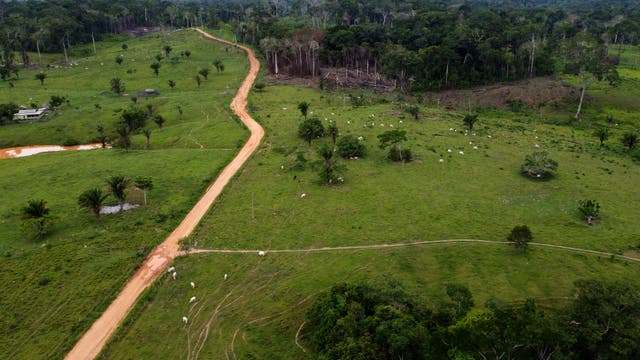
(92, 342)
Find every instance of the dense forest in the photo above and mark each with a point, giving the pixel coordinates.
(420, 45)
(381, 320)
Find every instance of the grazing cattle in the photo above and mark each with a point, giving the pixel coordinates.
(171, 269)
(185, 320)
(193, 285)
(303, 195)
(193, 298)
(261, 253)
(226, 276)
(174, 275)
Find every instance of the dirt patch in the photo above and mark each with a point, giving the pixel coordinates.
(338, 77)
(531, 93)
(142, 31)
(633, 253)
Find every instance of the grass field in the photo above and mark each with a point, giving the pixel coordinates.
(54, 288)
(257, 312)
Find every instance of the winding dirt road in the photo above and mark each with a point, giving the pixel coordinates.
(92, 342)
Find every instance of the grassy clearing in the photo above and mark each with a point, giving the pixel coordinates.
(53, 289)
(264, 301)
(476, 195)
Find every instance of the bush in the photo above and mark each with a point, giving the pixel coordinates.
(590, 209)
(539, 166)
(70, 142)
(404, 155)
(349, 146)
(259, 86)
(310, 129)
(57, 100)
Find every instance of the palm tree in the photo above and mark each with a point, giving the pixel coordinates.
(118, 185)
(159, 120)
(92, 199)
(167, 50)
(156, 68)
(602, 134)
(304, 108)
(36, 213)
(172, 84)
(328, 166)
(41, 76)
(205, 73)
(119, 59)
(630, 140)
(470, 120)
(198, 80)
(219, 65)
(538, 165)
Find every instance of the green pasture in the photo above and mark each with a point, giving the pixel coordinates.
(91, 102)
(53, 289)
(479, 195)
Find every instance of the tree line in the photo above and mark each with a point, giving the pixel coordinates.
(381, 320)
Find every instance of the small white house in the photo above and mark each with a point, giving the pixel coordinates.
(29, 114)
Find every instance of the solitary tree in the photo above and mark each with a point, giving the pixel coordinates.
(602, 133)
(304, 108)
(159, 120)
(187, 53)
(147, 134)
(167, 50)
(125, 47)
(41, 76)
(35, 218)
(172, 84)
(311, 129)
(92, 199)
(144, 183)
(158, 57)
(156, 68)
(392, 140)
(180, 111)
(119, 59)
(470, 120)
(205, 73)
(118, 186)
(198, 80)
(117, 85)
(590, 209)
(259, 86)
(520, 237)
(538, 165)
(219, 65)
(630, 140)
(414, 111)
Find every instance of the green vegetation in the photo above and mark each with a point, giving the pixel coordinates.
(520, 236)
(385, 203)
(54, 287)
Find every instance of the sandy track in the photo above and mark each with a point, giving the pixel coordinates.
(92, 342)
(415, 243)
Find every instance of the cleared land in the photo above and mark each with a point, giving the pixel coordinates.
(258, 311)
(55, 288)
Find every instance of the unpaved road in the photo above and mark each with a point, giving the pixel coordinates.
(92, 342)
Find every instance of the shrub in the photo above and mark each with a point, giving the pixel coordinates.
(259, 86)
(311, 129)
(57, 100)
(539, 166)
(349, 146)
(590, 209)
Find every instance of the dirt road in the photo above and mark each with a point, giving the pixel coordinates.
(92, 342)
